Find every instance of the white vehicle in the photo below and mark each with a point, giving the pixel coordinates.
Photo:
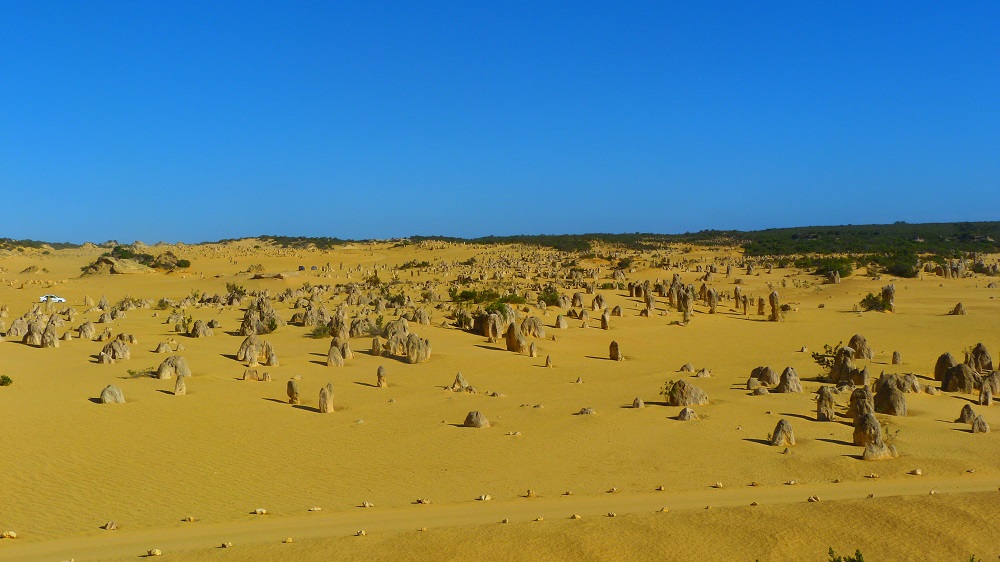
(51, 298)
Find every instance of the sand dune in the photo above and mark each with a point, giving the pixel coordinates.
(230, 446)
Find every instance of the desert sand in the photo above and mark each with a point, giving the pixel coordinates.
(227, 447)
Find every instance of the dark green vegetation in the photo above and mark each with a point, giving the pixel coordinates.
(886, 240)
(825, 359)
(874, 302)
(322, 242)
(10, 244)
(5, 380)
(825, 265)
(858, 557)
(414, 264)
(943, 239)
(166, 260)
(320, 332)
(485, 295)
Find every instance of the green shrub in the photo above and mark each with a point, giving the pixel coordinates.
(412, 264)
(320, 332)
(825, 359)
(549, 295)
(5, 380)
(139, 373)
(858, 557)
(236, 290)
(184, 263)
(874, 302)
(827, 265)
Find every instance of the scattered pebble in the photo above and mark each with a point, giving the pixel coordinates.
(531, 494)
(505, 520)
(813, 499)
(613, 491)
(153, 552)
(189, 519)
(110, 526)
(539, 518)
(575, 516)
(717, 485)
(933, 492)
(423, 501)
(612, 514)
(227, 545)
(660, 489)
(260, 511)
(360, 533)
(664, 510)
(485, 498)
(754, 504)
(315, 509)
(367, 504)
(791, 483)
(916, 472)
(8, 535)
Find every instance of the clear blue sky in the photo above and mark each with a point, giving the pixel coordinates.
(205, 120)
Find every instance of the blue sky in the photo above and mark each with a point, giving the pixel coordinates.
(200, 121)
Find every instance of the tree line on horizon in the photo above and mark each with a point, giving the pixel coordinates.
(944, 240)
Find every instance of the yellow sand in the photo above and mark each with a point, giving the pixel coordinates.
(69, 465)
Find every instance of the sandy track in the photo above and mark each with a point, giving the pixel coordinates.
(267, 529)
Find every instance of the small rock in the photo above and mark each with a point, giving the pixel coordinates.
(717, 485)
(575, 516)
(916, 472)
(228, 544)
(287, 540)
(754, 504)
(484, 498)
(612, 514)
(153, 552)
(813, 499)
(367, 504)
(360, 533)
(260, 511)
(315, 509)
(539, 518)
(110, 526)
